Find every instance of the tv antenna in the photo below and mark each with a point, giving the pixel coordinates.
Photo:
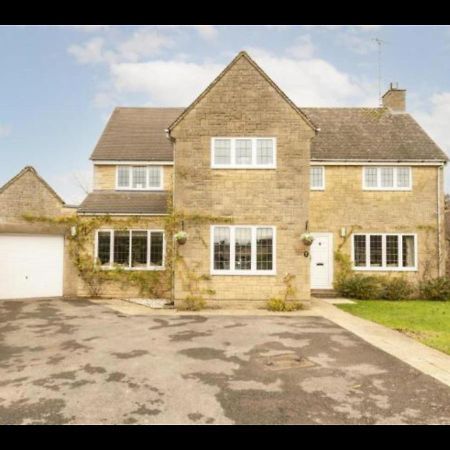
(379, 43)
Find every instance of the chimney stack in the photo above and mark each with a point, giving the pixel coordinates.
(395, 99)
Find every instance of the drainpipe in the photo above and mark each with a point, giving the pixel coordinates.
(173, 201)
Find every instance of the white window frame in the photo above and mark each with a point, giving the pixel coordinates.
(233, 164)
(130, 178)
(317, 188)
(383, 267)
(232, 270)
(111, 265)
(378, 187)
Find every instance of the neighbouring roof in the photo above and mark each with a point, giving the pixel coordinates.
(33, 171)
(138, 134)
(113, 202)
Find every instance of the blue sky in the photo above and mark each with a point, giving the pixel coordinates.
(59, 84)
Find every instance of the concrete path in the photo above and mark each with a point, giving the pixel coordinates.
(428, 360)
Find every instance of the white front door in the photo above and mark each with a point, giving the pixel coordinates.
(322, 261)
(31, 266)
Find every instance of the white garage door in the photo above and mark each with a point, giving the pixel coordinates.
(31, 266)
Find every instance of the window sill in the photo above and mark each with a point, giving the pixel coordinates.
(243, 273)
(388, 189)
(317, 189)
(244, 167)
(139, 190)
(132, 269)
(385, 269)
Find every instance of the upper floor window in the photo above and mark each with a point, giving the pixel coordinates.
(243, 250)
(384, 252)
(139, 177)
(130, 249)
(387, 178)
(243, 153)
(317, 178)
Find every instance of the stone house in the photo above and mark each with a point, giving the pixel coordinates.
(246, 173)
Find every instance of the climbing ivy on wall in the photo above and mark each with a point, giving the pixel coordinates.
(152, 284)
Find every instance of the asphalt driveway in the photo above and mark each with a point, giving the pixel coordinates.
(80, 362)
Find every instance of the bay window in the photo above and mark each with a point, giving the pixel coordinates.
(243, 250)
(130, 249)
(386, 251)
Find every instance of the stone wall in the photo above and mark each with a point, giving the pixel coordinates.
(244, 103)
(344, 204)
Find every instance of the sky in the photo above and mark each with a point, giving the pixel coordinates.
(59, 84)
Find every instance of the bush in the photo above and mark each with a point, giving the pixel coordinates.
(435, 289)
(361, 287)
(192, 303)
(278, 304)
(395, 288)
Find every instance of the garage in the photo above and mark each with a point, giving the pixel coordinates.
(31, 265)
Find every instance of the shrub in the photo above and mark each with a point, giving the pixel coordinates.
(435, 289)
(361, 287)
(278, 304)
(192, 303)
(395, 288)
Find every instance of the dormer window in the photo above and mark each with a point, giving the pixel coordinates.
(139, 178)
(243, 153)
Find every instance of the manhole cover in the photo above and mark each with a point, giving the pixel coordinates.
(286, 361)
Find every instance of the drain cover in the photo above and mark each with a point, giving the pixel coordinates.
(286, 361)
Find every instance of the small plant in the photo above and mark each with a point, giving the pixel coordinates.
(279, 304)
(307, 238)
(181, 237)
(395, 288)
(361, 287)
(192, 303)
(435, 289)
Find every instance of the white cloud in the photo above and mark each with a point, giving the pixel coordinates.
(90, 52)
(5, 130)
(142, 43)
(207, 32)
(303, 48)
(436, 120)
(435, 123)
(308, 81)
(172, 83)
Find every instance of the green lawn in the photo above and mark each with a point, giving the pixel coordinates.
(426, 321)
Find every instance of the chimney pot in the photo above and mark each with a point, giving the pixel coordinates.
(395, 98)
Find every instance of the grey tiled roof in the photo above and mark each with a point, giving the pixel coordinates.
(370, 133)
(137, 134)
(345, 133)
(127, 202)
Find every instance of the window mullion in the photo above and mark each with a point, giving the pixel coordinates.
(149, 241)
(400, 250)
(111, 248)
(253, 249)
(232, 248)
(254, 160)
(130, 243)
(367, 250)
(395, 172)
(383, 250)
